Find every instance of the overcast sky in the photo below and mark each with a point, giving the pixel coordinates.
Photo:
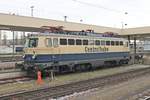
(98, 12)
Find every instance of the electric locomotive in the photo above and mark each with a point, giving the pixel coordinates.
(73, 51)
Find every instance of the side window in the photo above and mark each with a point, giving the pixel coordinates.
(112, 43)
(71, 42)
(102, 42)
(97, 42)
(63, 41)
(33, 42)
(49, 42)
(85, 42)
(78, 42)
(107, 42)
(55, 42)
(121, 43)
(117, 43)
(91, 42)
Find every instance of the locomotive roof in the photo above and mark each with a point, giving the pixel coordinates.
(93, 36)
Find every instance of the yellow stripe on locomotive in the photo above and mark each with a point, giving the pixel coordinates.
(57, 44)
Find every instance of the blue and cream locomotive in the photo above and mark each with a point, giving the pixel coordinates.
(73, 51)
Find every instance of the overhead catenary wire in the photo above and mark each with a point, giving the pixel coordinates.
(98, 6)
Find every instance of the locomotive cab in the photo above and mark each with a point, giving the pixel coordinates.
(30, 47)
(36, 52)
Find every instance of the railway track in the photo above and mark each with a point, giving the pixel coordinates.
(10, 58)
(67, 89)
(9, 65)
(14, 80)
(12, 76)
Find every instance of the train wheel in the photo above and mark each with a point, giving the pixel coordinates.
(107, 64)
(114, 63)
(64, 69)
(89, 67)
(82, 67)
(77, 68)
(120, 62)
(127, 61)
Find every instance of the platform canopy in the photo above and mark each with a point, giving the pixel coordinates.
(137, 31)
(23, 23)
(32, 24)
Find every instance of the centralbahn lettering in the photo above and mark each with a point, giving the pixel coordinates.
(96, 49)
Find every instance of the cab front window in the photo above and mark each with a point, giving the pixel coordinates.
(33, 42)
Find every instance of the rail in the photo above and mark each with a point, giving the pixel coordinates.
(66, 89)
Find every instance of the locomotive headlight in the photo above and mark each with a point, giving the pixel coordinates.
(34, 55)
(23, 56)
